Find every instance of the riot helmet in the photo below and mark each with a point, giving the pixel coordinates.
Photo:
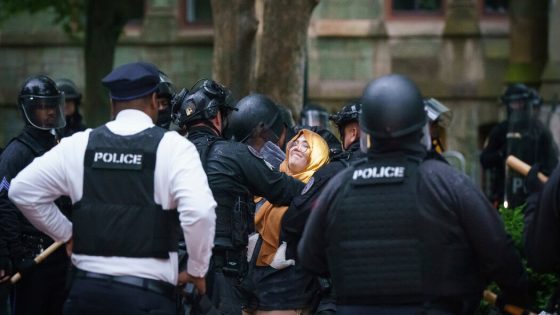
(392, 107)
(70, 90)
(517, 99)
(439, 118)
(349, 113)
(314, 115)
(164, 94)
(535, 100)
(42, 103)
(257, 115)
(205, 100)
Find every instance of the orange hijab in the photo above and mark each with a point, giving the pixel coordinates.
(269, 217)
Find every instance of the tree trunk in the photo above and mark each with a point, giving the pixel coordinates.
(281, 51)
(105, 21)
(235, 27)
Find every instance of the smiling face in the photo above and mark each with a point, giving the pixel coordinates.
(298, 155)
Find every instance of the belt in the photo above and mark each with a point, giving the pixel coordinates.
(156, 286)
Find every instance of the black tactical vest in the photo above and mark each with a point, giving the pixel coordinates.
(117, 215)
(375, 255)
(233, 210)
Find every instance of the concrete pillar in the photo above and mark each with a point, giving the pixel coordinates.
(461, 18)
(550, 88)
(528, 48)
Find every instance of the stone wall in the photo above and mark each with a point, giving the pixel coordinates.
(460, 58)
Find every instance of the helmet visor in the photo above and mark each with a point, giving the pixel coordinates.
(44, 112)
(315, 118)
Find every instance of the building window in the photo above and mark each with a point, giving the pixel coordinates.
(198, 12)
(417, 7)
(495, 7)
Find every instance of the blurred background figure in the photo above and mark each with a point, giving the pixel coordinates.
(73, 99)
(523, 136)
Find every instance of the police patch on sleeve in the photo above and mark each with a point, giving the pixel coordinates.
(308, 186)
(4, 184)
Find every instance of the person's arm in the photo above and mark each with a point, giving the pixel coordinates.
(493, 154)
(293, 221)
(36, 187)
(313, 244)
(482, 225)
(542, 227)
(278, 188)
(195, 203)
(11, 163)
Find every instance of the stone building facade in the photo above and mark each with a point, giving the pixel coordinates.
(461, 52)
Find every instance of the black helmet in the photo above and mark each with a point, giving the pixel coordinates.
(42, 103)
(165, 87)
(254, 111)
(205, 100)
(350, 112)
(314, 115)
(166, 92)
(535, 99)
(515, 92)
(70, 90)
(392, 106)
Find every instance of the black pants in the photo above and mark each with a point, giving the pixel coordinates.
(97, 296)
(42, 290)
(225, 292)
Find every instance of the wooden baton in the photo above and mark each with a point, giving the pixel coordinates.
(523, 168)
(491, 297)
(44, 254)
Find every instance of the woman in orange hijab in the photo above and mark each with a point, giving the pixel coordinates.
(278, 285)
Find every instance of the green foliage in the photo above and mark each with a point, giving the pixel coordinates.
(68, 13)
(541, 285)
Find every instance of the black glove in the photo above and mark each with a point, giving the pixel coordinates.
(25, 265)
(532, 181)
(6, 265)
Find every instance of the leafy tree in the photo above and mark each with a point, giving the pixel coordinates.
(104, 22)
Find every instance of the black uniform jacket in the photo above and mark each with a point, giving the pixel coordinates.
(542, 226)
(453, 208)
(233, 169)
(19, 153)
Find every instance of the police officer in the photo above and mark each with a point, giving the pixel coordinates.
(236, 172)
(125, 179)
(41, 290)
(346, 120)
(72, 98)
(522, 135)
(400, 234)
(165, 92)
(258, 122)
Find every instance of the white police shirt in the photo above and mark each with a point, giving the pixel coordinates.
(180, 182)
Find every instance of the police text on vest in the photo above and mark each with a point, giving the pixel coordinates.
(118, 158)
(379, 172)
